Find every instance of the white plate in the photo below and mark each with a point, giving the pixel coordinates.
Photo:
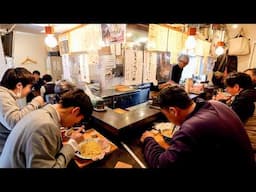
(100, 110)
(96, 149)
(166, 133)
(165, 128)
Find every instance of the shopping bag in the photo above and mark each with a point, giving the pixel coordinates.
(239, 46)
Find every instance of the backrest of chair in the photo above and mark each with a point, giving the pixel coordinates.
(250, 127)
(50, 98)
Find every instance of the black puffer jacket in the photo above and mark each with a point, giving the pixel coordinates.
(243, 104)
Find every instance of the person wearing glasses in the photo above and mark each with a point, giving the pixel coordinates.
(183, 60)
(211, 137)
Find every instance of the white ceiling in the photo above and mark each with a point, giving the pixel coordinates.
(135, 32)
(60, 28)
(39, 28)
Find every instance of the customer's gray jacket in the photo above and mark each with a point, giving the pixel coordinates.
(35, 142)
(11, 113)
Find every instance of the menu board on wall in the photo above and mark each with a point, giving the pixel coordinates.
(66, 67)
(54, 67)
(93, 58)
(176, 43)
(164, 68)
(113, 33)
(79, 69)
(133, 67)
(63, 43)
(157, 38)
(202, 48)
(107, 65)
(150, 65)
(63, 46)
(85, 39)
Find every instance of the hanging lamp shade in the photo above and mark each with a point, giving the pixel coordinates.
(50, 40)
(191, 41)
(220, 48)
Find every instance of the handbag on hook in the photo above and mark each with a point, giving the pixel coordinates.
(239, 45)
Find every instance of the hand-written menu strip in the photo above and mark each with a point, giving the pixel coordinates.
(118, 49)
(157, 37)
(150, 65)
(133, 66)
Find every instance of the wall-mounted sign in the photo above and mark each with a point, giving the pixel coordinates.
(113, 33)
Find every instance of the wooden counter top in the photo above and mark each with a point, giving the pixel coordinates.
(134, 117)
(117, 120)
(116, 154)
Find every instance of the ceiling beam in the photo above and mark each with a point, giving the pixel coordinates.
(143, 27)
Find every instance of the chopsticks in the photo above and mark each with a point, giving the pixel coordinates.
(173, 129)
(156, 129)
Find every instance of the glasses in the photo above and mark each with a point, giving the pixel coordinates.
(149, 66)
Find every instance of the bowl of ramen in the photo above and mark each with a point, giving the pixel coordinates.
(93, 148)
